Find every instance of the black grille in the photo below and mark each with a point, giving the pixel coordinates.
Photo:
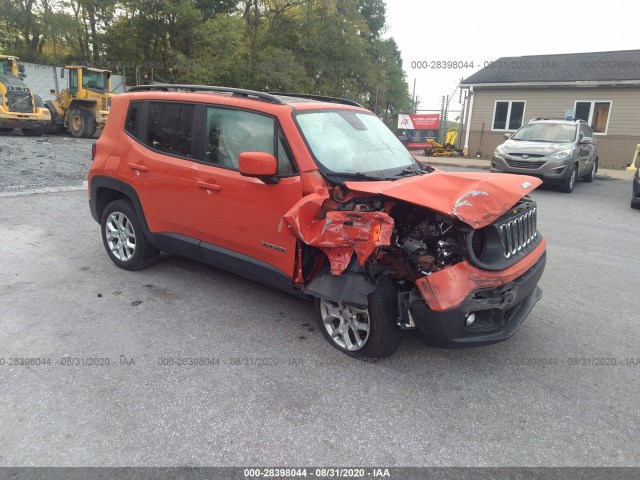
(19, 101)
(525, 164)
(526, 155)
(518, 232)
(507, 240)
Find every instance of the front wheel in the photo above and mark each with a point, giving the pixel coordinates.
(568, 183)
(123, 237)
(368, 333)
(592, 172)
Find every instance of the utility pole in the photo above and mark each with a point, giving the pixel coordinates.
(414, 97)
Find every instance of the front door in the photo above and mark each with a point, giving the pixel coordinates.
(239, 217)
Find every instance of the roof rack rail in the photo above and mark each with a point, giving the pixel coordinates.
(239, 92)
(557, 118)
(322, 98)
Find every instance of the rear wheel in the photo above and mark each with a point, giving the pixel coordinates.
(6, 130)
(592, 173)
(123, 237)
(82, 123)
(363, 333)
(568, 183)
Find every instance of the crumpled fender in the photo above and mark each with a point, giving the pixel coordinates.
(340, 233)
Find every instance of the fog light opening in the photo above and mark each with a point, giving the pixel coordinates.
(469, 319)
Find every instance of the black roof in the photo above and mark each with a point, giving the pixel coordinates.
(570, 67)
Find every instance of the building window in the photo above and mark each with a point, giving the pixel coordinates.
(595, 114)
(508, 115)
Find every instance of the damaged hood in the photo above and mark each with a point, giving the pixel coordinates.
(477, 199)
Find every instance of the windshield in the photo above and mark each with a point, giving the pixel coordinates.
(546, 132)
(94, 80)
(348, 142)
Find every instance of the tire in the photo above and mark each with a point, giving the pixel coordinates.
(567, 184)
(635, 204)
(82, 123)
(592, 173)
(383, 337)
(6, 130)
(123, 237)
(50, 127)
(33, 132)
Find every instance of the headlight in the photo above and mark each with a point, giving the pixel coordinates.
(500, 151)
(562, 154)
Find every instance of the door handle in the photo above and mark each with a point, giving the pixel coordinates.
(138, 168)
(209, 186)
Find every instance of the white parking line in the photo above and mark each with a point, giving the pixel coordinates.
(34, 191)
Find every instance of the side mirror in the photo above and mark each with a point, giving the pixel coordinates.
(507, 136)
(586, 140)
(62, 73)
(21, 68)
(52, 91)
(258, 165)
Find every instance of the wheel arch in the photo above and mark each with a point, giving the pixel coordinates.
(104, 190)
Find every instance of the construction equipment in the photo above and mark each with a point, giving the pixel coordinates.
(84, 105)
(19, 107)
(436, 149)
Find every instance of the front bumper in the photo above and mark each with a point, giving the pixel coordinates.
(499, 311)
(542, 168)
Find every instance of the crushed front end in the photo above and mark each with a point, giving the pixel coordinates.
(465, 275)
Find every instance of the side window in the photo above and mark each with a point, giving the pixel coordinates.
(231, 132)
(73, 81)
(284, 160)
(133, 118)
(171, 127)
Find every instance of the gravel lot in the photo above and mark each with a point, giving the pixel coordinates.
(521, 402)
(48, 161)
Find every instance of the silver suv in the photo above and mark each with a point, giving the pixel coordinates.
(556, 151)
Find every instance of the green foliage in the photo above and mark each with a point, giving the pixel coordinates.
(328, 47)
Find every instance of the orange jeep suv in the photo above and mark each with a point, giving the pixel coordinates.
(316, 196)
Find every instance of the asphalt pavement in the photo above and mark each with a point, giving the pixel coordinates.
(90, 354)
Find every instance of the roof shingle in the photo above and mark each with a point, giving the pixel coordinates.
(571, 67)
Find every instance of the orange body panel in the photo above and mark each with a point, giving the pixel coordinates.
(475, 198)
(449, 287)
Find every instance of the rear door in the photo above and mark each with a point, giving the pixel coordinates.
(159, 164)
(239, 217)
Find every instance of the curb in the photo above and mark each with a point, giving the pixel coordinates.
(486, 167)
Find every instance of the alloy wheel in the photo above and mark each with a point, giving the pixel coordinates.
(347, 326)
(120, 235)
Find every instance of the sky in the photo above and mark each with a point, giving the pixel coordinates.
(483, 31)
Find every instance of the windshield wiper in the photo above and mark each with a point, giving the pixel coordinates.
(359, 175)
(409, 171)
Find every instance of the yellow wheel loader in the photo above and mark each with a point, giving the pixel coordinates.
(84, 105)
(19, 107)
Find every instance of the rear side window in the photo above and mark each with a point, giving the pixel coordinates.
(170, 127)
(133, 119)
